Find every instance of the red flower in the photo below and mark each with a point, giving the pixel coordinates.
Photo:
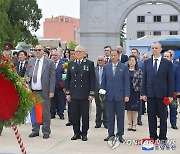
(61, 84)
(166, 101)
(5, 58)
(3, 65)
(12, 66)
(24, 85)
(175, 95)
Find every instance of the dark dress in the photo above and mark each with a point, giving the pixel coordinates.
(133, 104)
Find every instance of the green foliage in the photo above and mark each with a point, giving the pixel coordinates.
(17, 19)
(72, 45)
(122, 34)
(26, 98)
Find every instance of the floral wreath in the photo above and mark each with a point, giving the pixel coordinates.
(16, 98)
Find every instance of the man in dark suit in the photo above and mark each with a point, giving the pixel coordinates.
(41, 77)
(157, 84)
(101, 116)
(107, 50)
(173, 109)
(115, 82)
(80, 84)
(123, 58)
(57, 102)
(22, 63)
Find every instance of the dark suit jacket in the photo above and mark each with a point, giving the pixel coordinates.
(177, 82)
(124, 58)
(80, 81)
(161, 85)
(23, 70)
(97, 85)
(59, 72)
(118, 86)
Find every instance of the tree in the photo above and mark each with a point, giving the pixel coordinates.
(72, 45)
(122, 34)
(19, 18)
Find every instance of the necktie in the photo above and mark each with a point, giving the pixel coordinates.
(114, 69)
(79, 62)
(20, 68)
(36, 72)
(100, 74)
(55, 63)
(155, 66)
(107, 60)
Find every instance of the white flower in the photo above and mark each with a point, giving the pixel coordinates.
(102, 91)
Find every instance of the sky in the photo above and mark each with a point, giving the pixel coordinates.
(57, 7)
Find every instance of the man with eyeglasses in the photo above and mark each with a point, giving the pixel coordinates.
(80, 90)
(41, 78)
(101, 116)
(173, 109)
(145, 56)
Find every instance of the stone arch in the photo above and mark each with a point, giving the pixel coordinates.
(140, 2)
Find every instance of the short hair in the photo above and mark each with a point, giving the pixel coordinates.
(115, 50)
(107, 46)
(157, 43)
(47, 51)
(25, 53)
(80, 46)
(135, 49)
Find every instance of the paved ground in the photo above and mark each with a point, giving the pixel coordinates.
(59, 141)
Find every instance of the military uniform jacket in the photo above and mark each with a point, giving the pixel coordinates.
(80, 81)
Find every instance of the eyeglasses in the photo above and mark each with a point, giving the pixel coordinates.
(37, 49)
(100, 60)
(48, 49)
(106, 50)
(30, 56)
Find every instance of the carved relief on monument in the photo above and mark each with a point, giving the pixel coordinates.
(118, 3)
(97, 18)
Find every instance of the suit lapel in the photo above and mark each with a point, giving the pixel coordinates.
(32, 65)
(45, 62)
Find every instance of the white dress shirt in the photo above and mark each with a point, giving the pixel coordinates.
(23, 63)
(158, 61)
(38, 85)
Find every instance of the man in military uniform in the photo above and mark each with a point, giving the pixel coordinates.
(80, 84)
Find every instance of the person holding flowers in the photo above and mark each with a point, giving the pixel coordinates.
(57, 102)
(172, 107)
(157, 83)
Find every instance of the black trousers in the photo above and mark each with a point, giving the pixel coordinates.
(69, 112)
(157, 107)
(101, 115)
(80, 108)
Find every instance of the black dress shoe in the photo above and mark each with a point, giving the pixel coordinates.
(84, 138)
(69, 124)
(174, 127)
(62, 117)
(33, 135)
(121, 140)
(109, 138)
(45, 136)
(75, 137)
(139, 123)
(97, 126)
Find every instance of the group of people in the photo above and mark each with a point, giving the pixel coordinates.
(129, 82)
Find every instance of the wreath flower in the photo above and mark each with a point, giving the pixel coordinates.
(25, 98)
